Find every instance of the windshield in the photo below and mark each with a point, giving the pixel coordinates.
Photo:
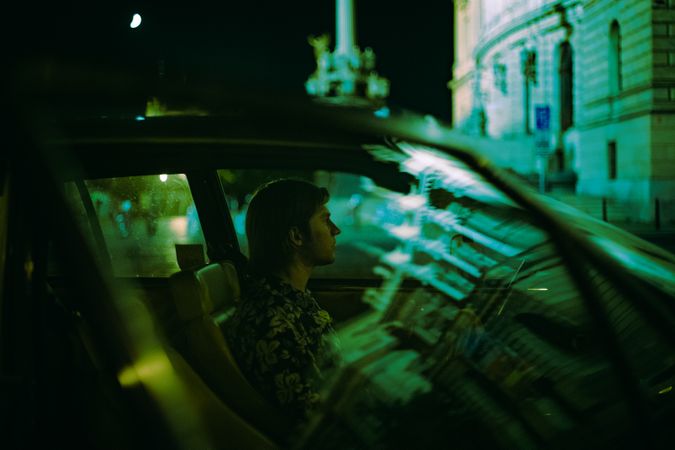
(480, 330)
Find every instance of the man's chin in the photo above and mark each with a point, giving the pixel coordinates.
(327, 261)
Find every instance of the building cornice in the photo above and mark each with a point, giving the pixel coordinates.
(623, 117)
(522, 22)
(456, 82)
(622, 95)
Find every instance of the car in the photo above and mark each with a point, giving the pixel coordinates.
(472, 311)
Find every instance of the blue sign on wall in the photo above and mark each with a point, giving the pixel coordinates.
(542, 114)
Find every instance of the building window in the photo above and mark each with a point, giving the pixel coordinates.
(499, 76)
(529, 67)
(615, 81)
(482, 122)
(611, 160)
(566, 73)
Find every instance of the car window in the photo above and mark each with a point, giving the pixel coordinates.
(477, 327)
(142, 219)
(355, 202)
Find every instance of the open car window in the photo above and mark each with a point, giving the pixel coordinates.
(355, 203)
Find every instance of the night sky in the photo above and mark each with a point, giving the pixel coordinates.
(255, 43)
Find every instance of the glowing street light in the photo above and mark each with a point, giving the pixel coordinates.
(135, 21)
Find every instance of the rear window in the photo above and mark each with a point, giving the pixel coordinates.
(142, 219)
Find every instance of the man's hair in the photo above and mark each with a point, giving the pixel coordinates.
(275, 208)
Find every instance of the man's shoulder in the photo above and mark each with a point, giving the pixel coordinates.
(265, 290)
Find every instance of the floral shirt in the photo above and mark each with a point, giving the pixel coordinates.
(284, 343)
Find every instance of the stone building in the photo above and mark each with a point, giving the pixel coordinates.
(591, 81)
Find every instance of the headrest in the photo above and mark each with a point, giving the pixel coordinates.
(203, 291)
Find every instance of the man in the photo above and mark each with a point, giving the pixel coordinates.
(281, 338)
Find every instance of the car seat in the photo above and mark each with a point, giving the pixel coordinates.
(205, 298)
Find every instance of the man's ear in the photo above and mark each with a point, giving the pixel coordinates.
(295, 236)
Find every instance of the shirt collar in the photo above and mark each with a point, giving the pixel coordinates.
(284, 286)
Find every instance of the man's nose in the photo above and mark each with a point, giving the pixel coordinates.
(335, 229)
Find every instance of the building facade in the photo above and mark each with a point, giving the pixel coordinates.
(590, 84)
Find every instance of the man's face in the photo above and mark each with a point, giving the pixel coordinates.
(319, 249)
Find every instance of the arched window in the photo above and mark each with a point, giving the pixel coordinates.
(566, 73)
(529, 68)
(614, 58)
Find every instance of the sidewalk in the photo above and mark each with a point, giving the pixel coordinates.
(619, 215)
